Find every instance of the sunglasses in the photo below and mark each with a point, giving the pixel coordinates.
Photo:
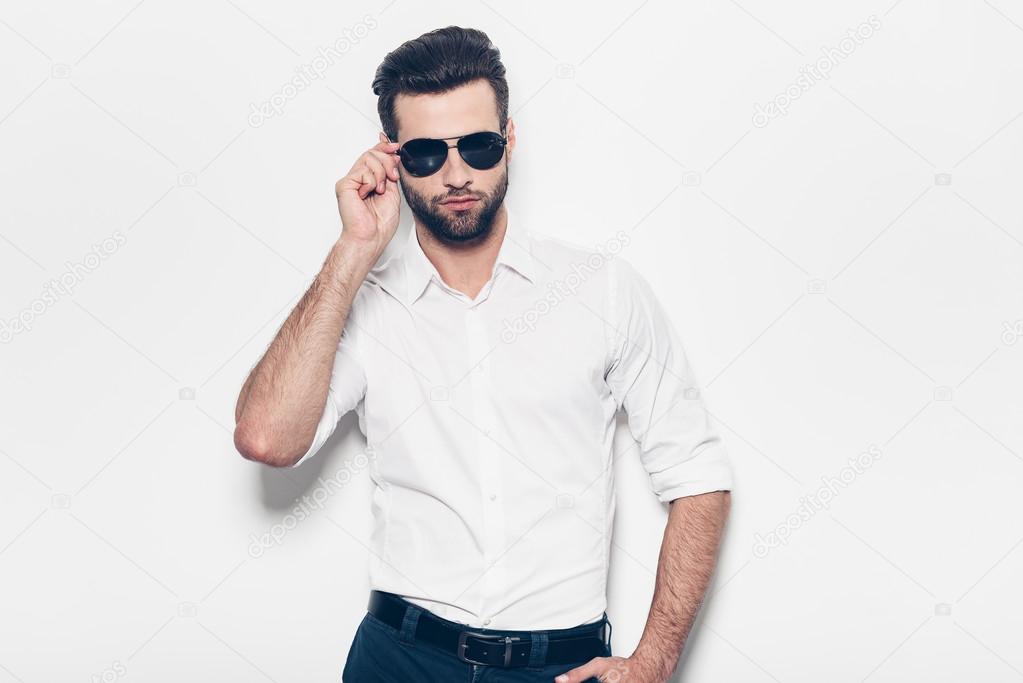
(425, 156)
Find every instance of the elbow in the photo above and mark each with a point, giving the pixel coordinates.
(255, 444)
(252, 444)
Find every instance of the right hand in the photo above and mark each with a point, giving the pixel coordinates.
(367, 197)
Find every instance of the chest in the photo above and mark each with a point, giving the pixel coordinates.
(522, 356)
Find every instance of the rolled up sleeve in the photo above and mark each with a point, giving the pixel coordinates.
(650, 377)
(347, 379)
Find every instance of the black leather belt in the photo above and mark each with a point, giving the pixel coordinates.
(496, 648)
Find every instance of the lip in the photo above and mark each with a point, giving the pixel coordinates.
(460, 204)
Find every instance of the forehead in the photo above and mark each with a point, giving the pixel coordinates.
(466, 109)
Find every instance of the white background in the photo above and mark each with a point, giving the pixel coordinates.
(848, 276)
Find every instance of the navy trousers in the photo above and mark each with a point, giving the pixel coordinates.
(381, 653)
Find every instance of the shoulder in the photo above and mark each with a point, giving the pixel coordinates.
(384, 279)
(573, 262)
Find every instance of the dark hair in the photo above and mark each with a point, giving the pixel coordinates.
(436, 62)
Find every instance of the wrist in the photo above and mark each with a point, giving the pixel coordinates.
(358, 248)
(345, 268)
(355, 256)
(653, 662)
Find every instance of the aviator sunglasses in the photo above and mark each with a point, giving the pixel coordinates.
(425, 156)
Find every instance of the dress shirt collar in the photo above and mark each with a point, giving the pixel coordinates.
(516, 252)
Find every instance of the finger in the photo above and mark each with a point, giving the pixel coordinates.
(365, 178)
(390, 162)
(351, 181)
(379, 172)
(360, 179)
(384, 146)
(591, 669)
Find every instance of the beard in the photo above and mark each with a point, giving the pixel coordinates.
(464, 226)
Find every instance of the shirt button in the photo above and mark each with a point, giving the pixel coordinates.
(493, 496)
(486, 621)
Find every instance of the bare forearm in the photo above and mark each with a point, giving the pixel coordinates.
(281, 401)
(684, 569)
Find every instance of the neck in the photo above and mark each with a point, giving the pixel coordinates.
(465, 266)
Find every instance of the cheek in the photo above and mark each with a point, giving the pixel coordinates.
(425, 188)
(490, 178)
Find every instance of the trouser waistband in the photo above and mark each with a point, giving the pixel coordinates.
(491, 647)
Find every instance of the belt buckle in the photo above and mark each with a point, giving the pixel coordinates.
(507, 640)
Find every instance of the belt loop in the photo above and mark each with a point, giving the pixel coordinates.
(408, 625)
(538, 649)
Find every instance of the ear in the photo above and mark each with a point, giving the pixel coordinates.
(383, 137)
(510, 134)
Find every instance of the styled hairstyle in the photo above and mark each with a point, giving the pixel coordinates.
(436, 62)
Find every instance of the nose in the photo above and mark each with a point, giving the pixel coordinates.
(456, 173)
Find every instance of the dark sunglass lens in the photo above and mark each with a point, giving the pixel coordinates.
(481, 150)
(423, 156)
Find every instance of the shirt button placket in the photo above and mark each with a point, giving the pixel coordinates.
(490, 483)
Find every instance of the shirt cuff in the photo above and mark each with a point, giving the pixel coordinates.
(324, 428)
(709, 470)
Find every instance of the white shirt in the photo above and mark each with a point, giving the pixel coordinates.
(490, 423)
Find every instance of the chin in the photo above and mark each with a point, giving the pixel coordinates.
(456, 232)
(461, 227)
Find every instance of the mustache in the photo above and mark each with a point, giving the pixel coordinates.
(460, 195)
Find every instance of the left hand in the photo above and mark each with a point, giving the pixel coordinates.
(612, 670)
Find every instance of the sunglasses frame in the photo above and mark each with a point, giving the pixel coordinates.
(502, 141)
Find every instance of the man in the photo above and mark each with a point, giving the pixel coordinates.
(486, 364)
